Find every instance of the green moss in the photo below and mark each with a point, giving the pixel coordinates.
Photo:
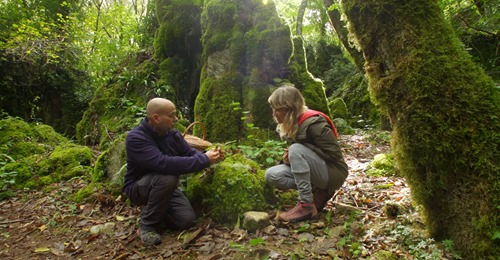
(65, 162)
(87, 191)
(382, 165)
(245, 47)
(110, 166)
(229, 189)
(39, 156)
(338, 108)
(118, 106)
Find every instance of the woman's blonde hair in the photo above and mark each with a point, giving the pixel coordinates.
(289, 99)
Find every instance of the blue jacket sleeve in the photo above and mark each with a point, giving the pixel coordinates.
(144, 153)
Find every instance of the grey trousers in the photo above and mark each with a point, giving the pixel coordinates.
(306, 171)
(164, 204)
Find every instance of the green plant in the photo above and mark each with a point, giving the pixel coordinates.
(7, 178)
(257, 241)
(349, 240)
(267, 154)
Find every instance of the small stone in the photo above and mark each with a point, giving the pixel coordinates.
(254, 220)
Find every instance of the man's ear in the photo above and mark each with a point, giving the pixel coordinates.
(155, 118)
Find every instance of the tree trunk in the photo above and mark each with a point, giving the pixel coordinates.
(300, 17)
(444, 111)
(340, 28)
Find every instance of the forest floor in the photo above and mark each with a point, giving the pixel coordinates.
(368, 218)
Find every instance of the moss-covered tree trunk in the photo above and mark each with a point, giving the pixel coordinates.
(312, 88)
(343, 34)
(444, 111)
(245, 47)
(178, 51)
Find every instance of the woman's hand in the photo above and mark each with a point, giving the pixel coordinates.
(285, 156)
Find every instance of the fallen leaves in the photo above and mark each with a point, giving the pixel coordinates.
(366, 216)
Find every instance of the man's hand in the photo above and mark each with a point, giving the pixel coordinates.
(215, 155)
(285, 157)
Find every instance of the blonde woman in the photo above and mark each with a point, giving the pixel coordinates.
(313, 163)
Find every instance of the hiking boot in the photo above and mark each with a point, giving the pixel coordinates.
(321, 197)
(300, 212)
(149, 238)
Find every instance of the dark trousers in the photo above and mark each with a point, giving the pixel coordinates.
(164, 204)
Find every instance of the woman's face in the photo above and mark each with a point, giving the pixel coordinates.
(279, 114)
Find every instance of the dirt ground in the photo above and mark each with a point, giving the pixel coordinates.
(48, 225)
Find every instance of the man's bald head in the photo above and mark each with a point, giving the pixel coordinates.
(161, 114)
(159, 106)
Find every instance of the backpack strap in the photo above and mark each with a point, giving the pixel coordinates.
(310, 113)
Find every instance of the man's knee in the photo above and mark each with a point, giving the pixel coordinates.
(186, 221)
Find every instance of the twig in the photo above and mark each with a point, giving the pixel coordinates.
(374, 207)
(13, 221)
(24, 236)
(121, 208)
(24, 206)
(354, 200)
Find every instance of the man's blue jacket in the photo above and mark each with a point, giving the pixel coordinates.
(148, 152)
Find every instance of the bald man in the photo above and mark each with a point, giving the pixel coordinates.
(157, 155)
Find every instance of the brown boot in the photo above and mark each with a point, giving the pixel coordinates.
(300, 212)
(321, 197)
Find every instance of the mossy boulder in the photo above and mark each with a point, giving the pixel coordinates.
(34, 154)
(227, 190)
(66, 161)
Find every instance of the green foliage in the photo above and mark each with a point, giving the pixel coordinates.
(343, 126)
(348, 241)
(7, 177)
(476, 23)
(229, 189)
(105, 35)
(266, 155)
(42, 81)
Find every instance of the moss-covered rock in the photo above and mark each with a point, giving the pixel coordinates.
(178, 51)
(245, 47)
(229, 189)
(110, 166)
(34, 155)
(119, 106)
(65, 161)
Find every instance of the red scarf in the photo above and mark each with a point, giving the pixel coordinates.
(310, 113)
